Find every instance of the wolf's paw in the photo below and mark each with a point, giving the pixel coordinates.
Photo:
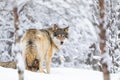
(42, 71)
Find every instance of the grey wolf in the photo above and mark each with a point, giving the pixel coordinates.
(38, 45)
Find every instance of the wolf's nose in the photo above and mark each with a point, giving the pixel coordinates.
(61, 42)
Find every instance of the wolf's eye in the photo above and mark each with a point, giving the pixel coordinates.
(55, 34)
(66, 36)
(58, 35)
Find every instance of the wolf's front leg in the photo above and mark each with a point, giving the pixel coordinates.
(41, 66)
(48, 59)
(48, 62)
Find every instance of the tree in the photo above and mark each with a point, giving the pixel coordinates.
(103, 40)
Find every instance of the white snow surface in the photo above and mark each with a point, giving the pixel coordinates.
(56, 74)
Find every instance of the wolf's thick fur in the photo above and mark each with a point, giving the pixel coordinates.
(38, 46)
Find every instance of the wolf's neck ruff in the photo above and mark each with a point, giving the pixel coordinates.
(49, 31)
(50, 36)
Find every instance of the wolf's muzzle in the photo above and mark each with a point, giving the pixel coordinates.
(61, 42)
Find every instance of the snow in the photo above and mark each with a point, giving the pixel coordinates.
(108, 60)
(20, 62)
(56, 74)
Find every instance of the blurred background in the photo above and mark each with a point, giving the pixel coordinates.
(84, 20)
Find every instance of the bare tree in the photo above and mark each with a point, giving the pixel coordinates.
(103, 39)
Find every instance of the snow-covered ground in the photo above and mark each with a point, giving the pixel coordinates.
(56, 74)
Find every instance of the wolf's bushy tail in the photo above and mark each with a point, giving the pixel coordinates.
(20, 66)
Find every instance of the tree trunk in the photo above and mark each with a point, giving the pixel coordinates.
(106, 73)
(16, 20)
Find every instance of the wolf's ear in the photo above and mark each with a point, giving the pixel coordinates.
(55, 27)
(66, 29)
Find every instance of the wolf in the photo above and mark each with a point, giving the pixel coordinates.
(38, 45)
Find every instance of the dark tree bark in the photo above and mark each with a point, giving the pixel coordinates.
(16, 20)
(103, 39)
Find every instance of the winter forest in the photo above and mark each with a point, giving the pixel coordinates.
(94, 30)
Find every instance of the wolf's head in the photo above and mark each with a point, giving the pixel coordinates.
(60, 35)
